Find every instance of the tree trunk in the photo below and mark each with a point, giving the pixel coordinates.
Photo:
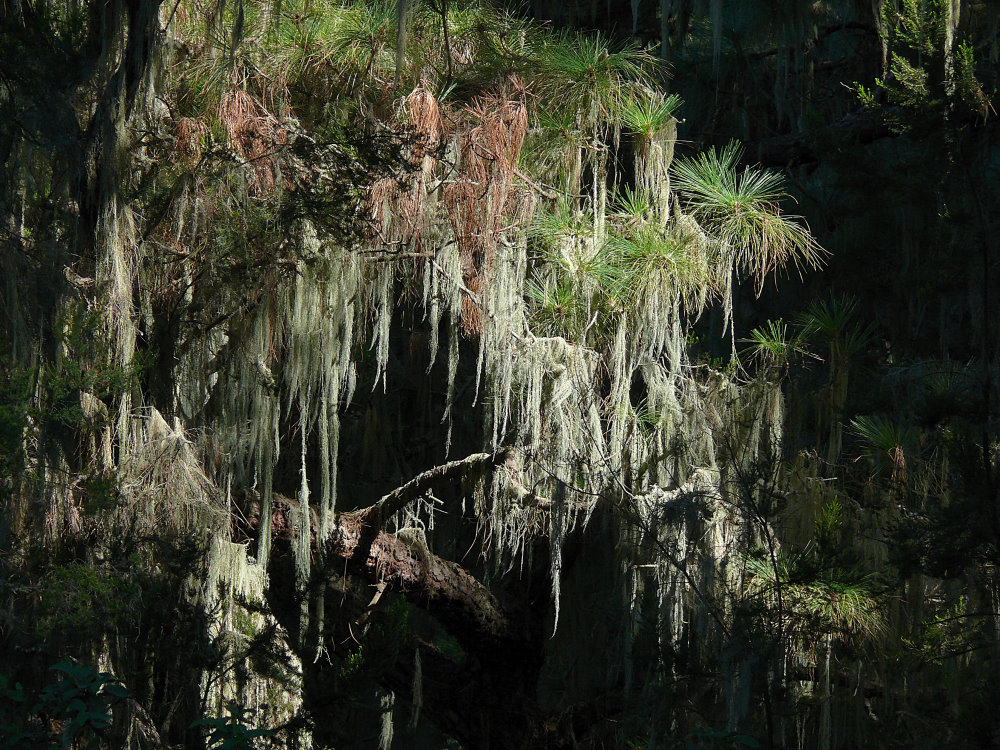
(486, 697)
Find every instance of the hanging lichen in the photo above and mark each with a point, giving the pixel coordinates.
(506, 226)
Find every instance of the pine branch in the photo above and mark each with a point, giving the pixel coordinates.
(402, 496)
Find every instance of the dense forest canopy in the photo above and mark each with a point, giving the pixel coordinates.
(443, 374)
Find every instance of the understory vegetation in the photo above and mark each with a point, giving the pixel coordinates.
(435, 374)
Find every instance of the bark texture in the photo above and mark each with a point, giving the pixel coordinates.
(487, 696)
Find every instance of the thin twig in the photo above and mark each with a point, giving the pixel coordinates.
(458, 283)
